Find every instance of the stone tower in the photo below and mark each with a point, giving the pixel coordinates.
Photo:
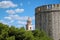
(29, 24)
(47, 18)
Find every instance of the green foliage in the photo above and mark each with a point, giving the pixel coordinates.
(11, 38)
(28, 35)
(12, 33)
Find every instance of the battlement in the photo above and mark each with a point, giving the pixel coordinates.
(44, 8)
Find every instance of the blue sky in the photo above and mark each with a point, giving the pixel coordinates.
(16, 12)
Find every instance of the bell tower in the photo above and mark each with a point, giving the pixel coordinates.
(29, 24)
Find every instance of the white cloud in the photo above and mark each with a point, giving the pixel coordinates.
(20, 19)
(10, 11)
(12, 17)
(7, 4)
(7, 23)
(23, 17)
(17, 17)
(11, 21)
(9, 18)
(33, 17)
(19, 10)
(2, 21)
(15, 11)
(19, 26)
(22, 22)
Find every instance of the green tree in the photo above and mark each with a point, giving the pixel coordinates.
(28, 35)
(40, 35)
(11, 38)
(20, 34)
(13, 33)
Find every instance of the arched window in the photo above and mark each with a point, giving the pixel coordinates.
(57, 5)
(30, 28)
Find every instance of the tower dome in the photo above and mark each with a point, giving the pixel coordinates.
(29, 19)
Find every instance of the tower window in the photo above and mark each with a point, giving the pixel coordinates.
(30, 28)
(57, 5)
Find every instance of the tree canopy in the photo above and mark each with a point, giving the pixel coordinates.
(13, 33)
